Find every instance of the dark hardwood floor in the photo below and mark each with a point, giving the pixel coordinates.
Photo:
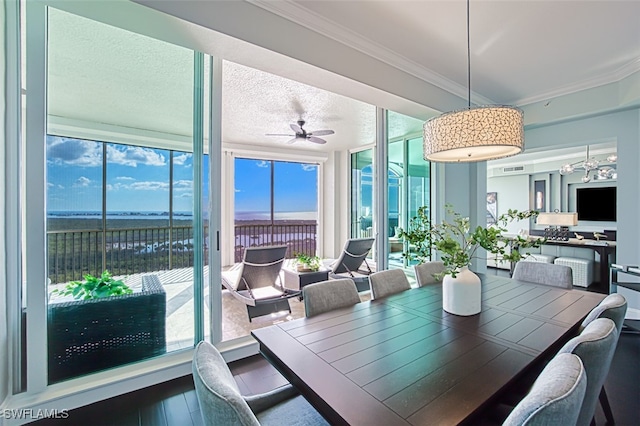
(175, 404)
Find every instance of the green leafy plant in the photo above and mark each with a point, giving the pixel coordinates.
(311, 263)
(458, 244)
(94, 287)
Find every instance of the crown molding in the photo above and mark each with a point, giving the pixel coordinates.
(292, 11)
(298, 14)
(612, 77)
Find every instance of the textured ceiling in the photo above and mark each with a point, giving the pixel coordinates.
(101, 74)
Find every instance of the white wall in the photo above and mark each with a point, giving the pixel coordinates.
(513, 193)
(4, 344)
(624, 128)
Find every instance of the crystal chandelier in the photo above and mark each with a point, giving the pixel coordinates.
(474, 134)
(591, 164)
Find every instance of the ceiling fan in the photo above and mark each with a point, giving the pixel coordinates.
(300, 133)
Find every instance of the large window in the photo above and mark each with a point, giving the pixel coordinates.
(408, 181)
(362, 194)
(276, 202)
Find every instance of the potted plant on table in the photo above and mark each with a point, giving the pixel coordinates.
(307, 263)
(458, 245)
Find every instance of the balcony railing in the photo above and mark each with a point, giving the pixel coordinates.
(74, 253)
(299, 237)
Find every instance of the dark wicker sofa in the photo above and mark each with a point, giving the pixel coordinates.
(86, 336)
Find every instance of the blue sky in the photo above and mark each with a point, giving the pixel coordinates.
(138, 180)
(137, 177)
(295, 186)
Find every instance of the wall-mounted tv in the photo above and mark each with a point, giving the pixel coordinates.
(597, 204)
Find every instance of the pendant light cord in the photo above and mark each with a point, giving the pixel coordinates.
(468, 57)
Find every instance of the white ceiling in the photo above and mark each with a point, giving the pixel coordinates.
(522, 51)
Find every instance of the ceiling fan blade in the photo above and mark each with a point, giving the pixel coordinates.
(278, 134)
(292, 140)
(321, 132)
(296, 128)
(315, 139)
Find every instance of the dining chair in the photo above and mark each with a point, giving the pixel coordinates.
(386, 283)
(595, 346)
(325, 296)
(544, 273)
(425, 272)
(614, 307)
(555, 397)
(222, 404)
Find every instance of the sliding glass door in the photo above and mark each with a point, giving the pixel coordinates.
(126, 244)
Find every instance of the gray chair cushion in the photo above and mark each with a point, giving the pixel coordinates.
(385, 283)
(425, 272)
(595, 346)
(220, 400)
(556, 395)
(614, 307)
(329, 295)
(544, 273)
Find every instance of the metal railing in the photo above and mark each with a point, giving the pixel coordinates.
(299, 237)
(73, 253)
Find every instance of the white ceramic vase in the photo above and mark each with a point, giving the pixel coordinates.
(462, 295)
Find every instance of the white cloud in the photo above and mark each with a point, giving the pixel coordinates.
(74, 152)
(263, 163)
(182, 185)
(309, 167)
(125, 178)
(186, 195)
(49, 184)
(82, 182)
(134, 155)
(149, 186)
(180, 159)
(237, 190)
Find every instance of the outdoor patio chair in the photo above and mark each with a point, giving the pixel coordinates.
(351, 260)
(256, 281)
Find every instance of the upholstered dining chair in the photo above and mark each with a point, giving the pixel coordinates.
(595, 346)
(222, 404)
(556, 395)
(326, 296)
(385, 283)
(614, 307)
(544, 273)
(425, 272)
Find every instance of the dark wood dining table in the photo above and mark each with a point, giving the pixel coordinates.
(403, 360)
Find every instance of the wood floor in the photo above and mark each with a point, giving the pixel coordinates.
(175, 404)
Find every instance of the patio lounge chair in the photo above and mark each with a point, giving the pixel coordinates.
(256, 281)
(349, 264)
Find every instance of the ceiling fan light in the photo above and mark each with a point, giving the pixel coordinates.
(612, 158)
(475, 134)
(586, 178)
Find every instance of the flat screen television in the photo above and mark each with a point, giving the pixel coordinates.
(597, 204)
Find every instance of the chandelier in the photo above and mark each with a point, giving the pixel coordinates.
(591, 164)
(474, 134)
